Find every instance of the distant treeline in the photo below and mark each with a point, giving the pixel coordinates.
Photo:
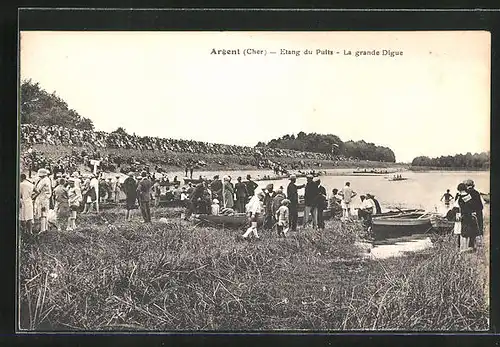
(332, 144)
(41, 108)
(459, 161)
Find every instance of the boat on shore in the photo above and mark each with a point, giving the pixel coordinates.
(241, 219)
(192, 180)
(401, 224)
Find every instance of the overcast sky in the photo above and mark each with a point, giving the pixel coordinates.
(434, 100)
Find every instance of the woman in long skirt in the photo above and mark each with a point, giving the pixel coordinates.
(467, 218)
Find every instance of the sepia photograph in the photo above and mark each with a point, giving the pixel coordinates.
(253, 181)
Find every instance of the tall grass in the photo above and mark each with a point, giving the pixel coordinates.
(114, 275)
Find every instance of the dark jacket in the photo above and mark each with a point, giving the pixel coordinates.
(310, 194)
(130, 187)
(144, 190)
(241, 190)
(321, 201)
(251, 186)
(378, 209)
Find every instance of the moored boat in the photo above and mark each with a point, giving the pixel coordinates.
(192, 180)
(240, 219)
(406, 223)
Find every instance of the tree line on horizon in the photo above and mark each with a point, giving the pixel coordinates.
(332, 144)
(39, 107)
(468, 160)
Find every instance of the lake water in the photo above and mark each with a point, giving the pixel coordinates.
(421, 190)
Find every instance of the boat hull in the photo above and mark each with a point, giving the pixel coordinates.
(241, 219)
(404, 225)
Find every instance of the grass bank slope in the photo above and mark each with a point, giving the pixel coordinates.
(113, 275)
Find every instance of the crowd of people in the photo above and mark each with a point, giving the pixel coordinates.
(56, 135)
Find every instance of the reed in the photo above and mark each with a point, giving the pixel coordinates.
(117, 275)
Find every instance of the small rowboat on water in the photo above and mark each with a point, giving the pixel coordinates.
(398, 179)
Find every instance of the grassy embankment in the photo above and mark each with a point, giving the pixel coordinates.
(215, 162)
(125, 276)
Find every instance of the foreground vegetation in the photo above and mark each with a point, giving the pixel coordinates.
(113, 275)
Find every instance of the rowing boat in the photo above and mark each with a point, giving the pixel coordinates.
(406, 223)
(192, 180)
(398, 179)
(241, 219)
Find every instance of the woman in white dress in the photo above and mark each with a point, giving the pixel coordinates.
(42, 192)
(26, 204)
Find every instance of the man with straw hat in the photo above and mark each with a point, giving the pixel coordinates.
(477, 205)
(43, 192)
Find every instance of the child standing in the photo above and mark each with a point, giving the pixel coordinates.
(282, 216)
(254, 209)
(215, 207)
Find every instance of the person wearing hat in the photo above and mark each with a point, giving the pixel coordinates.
(74, 200)
(477, 204)
(293, 196)
(241, 195)
(310, 196)
(251, 186)
(282, 216)
(61, 206)
(130, 190)
(366, 210)
(254, 210)
(215, 207)
(334, 203)
(43, 192)
(228, 193)
(321, 202)
(144, 196)
(216, 187)
(26, 204)
(466, 215)
(277, 199)
(268, 206)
